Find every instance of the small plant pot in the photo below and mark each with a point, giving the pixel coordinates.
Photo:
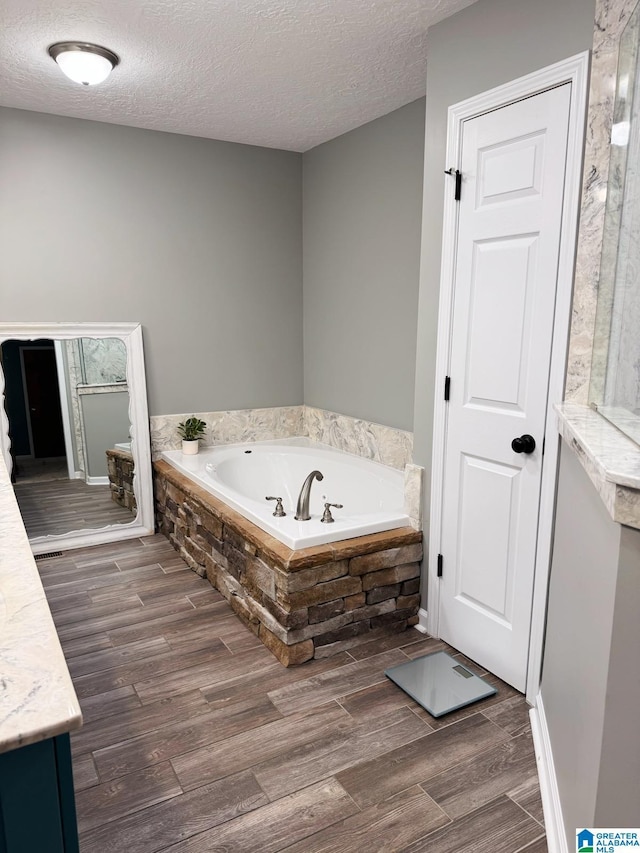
(190, 448)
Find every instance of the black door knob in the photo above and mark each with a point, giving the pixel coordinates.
(524, 444)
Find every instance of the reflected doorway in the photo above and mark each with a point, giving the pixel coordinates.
(67, 406)
(41, 400)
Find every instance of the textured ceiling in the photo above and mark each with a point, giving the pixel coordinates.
(279, 73)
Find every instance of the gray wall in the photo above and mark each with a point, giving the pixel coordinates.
(578, 638)
(105, 418)
(362, 202)
(618, 800)
(590, 687)
(485, 45)
(198, 240)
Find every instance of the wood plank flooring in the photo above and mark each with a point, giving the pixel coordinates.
(197, 740)
(52, 507)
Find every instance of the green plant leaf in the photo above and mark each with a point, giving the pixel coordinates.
(192, 428)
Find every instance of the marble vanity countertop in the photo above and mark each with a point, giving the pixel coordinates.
(611, 460)
(37, 698)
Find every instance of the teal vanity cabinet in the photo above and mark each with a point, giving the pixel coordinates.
(37, 806)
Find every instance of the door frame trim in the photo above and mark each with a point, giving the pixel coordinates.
(27, 407)
(574, 70)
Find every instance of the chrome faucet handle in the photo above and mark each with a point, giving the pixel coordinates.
(279, 510)
(327, 518)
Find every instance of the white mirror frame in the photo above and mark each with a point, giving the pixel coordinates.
(131, 336)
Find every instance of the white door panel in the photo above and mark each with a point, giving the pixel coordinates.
(513, 165)
(489, 488)
(503, 275)
(510, 170)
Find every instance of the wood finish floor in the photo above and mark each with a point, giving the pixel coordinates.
(53, 507)
(196, 739)
(31, 470)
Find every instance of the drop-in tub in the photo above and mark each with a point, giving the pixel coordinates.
(243, 475)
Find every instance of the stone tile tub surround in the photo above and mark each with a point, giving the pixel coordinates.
(389, 446)
(37, 699)
(302, 604)
(120, 466)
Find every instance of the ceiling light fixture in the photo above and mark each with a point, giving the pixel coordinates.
(82, 62)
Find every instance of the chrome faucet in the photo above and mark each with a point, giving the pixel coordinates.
(302, 509)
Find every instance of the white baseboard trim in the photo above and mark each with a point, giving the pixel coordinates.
(97, 481)
(422, 624)
(549, 793)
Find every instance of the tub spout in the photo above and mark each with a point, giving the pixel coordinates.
(302, 509)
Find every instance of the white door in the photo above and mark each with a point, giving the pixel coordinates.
(510, 215)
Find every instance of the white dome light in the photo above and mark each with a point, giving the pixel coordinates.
(84, 63)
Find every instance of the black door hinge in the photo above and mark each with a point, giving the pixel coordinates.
(457, 174)
(439, 565)
(447, 387)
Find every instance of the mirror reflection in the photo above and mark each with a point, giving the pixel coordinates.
(67, 403)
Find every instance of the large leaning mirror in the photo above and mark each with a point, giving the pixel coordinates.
(615, 367)
(74, 431)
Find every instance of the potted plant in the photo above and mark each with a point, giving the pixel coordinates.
(191, 431)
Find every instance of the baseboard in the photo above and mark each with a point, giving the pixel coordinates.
(549, 793)
(97, 481)
(422, 624)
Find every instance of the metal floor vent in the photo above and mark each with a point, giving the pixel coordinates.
(46, 556)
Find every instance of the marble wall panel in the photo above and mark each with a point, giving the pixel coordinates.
(230, 427)
(74, 378)
(104, 360)
(381, 443)
(414, 493)
(373, 441)
(611, 19)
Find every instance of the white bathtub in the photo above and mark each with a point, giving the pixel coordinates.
(242, 475)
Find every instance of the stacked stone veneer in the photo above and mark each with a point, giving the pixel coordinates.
(120, 466)
(302, 604)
